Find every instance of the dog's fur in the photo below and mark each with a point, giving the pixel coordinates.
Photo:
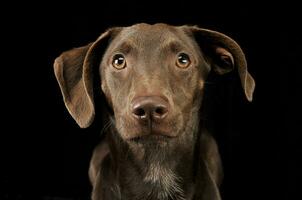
(167, 157)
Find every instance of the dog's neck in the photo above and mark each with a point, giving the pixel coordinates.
(160, 171)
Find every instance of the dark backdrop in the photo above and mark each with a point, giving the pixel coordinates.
(46, 155)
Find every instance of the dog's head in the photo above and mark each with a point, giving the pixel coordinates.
(151, 75)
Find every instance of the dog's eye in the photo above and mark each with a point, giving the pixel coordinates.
(183, 60)
(119, 61)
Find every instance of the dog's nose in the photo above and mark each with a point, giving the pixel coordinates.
(150, 108)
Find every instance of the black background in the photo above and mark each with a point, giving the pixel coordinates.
(46, 155)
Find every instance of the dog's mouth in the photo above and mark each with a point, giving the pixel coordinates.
(151, 139)
(131, 131)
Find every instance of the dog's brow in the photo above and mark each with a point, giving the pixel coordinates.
(126, 46)
(172, 45)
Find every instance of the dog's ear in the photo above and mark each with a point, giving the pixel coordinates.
(224, 54)
(73, 70)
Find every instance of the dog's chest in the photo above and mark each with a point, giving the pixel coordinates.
(163, 183)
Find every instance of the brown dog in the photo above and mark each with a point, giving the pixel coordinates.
(152, 77)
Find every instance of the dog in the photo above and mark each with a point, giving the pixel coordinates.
(152, 78)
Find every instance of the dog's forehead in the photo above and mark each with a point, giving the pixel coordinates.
(147, 31)
(146, 34)
(149, 38)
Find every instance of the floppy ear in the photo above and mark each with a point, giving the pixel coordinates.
(224, 55)
(73, 70)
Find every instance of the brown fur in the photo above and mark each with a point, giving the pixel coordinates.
(171, 157)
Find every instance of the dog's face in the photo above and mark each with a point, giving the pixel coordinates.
(153, 76)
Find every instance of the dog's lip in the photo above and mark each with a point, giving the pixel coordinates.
(158, 137)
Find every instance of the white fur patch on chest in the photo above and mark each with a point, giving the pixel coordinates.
(166, 180)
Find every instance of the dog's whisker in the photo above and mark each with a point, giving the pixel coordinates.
(210, 83)
(106, 127)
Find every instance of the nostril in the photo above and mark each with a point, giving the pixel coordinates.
(160, 110)
(139, 112)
